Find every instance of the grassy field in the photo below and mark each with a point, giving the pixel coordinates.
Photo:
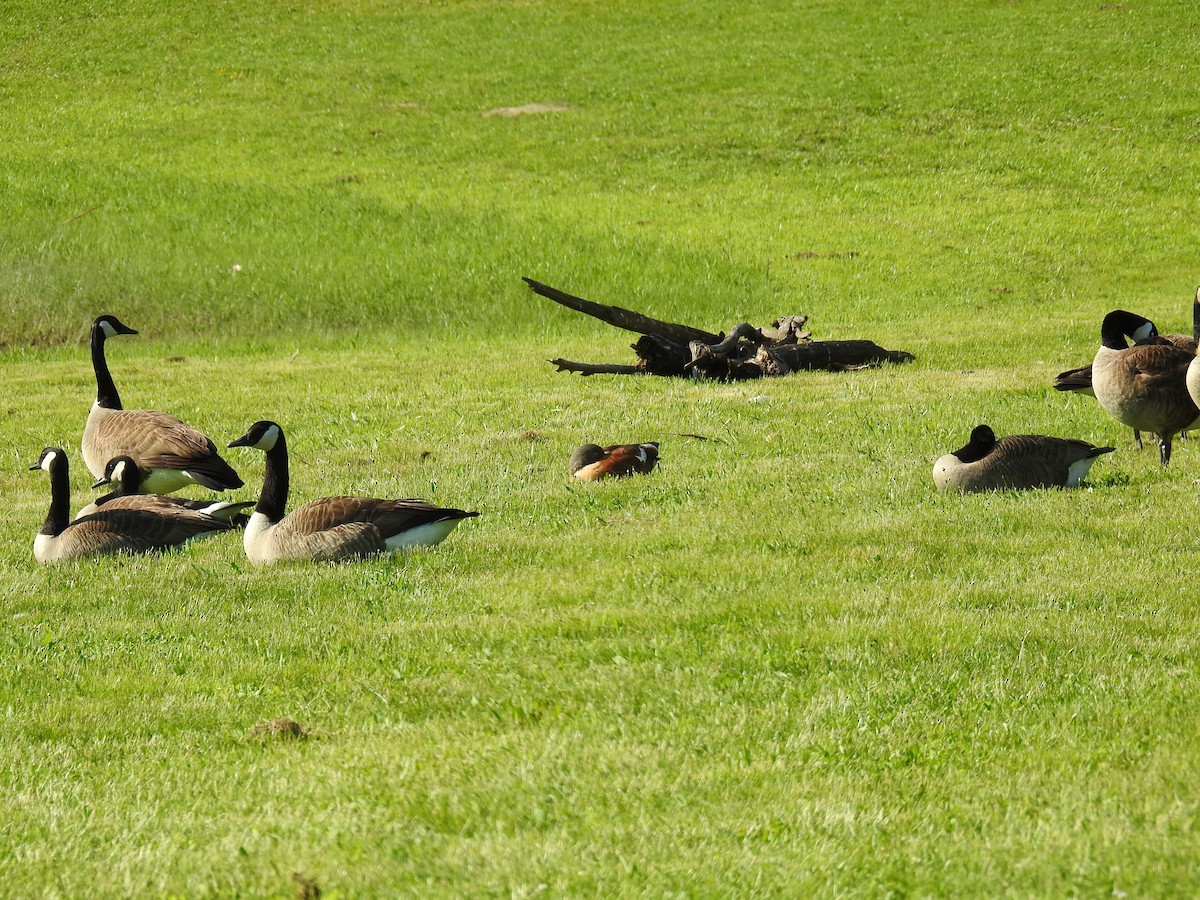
(781, 665)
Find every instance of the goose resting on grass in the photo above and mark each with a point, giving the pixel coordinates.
(110, 531)
(123, 473)
(332, 528)
(1015, 462)
(168, 452)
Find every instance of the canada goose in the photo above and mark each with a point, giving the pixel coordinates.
(592, 462)
(332, 528)
(109, 531)
(1014, 462)
(123, 473)
(169, 452)
(1080, 380)
(1143, 386)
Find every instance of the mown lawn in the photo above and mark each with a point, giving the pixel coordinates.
(782, 664)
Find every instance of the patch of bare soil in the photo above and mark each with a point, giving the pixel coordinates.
(306, 888)
(282, 727)
(529, 109)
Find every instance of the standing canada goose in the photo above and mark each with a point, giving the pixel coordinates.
(109, 531)
(1143, 386)
(332, 528)
(1015, 462)
(123, 473)
(1080, 380)
(592, 462)
(169, 452)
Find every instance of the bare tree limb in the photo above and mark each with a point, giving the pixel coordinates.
(623, 318)
(585, 369)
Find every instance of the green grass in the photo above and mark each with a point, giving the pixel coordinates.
(783, 664)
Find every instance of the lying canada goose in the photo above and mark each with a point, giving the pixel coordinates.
(1143, 386)
(592, 462)
(169, 452)
(1015, 462)
(109, 531)
(123, 473)
(332, 528)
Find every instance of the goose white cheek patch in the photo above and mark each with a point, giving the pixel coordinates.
(269, 438)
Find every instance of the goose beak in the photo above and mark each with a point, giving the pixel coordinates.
(100, 482)
(125, 329)
(243, 441)
(35, 467)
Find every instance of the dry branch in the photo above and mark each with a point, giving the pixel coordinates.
(748, 352)
(565, 365)
(623, 318)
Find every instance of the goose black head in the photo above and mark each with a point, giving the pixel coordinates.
(983, 440)
(1120, 323)
(50, 458)
(110, 326)
(263, 435)
(120, 470)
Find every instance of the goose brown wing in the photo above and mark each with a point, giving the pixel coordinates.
(1075, 380)
(340, 542)
(156, 440)
(1182, 341)
(176, 505)
(389, 517)
(1038, 460)
(1157, 364)
(394, 516)
(138, 530)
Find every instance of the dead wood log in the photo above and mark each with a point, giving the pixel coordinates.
(748, 352)
(834, 356)
(659, 356)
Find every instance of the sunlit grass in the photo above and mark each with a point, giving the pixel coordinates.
(780, 664)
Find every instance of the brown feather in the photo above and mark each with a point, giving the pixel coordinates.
(154, 440)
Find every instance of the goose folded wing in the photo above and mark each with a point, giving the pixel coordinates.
(388, 516)
(1160, 364)
(1074, 379)
(343, 541)
(1039, 459)
(141, 530)
(147, 432)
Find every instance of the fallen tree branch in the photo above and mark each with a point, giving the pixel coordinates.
(748, 352)
(585, 369)
(623, 318)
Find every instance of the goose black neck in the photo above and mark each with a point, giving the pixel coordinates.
(106, 391)
(111, 495)
(60, 499)
(273, 499)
